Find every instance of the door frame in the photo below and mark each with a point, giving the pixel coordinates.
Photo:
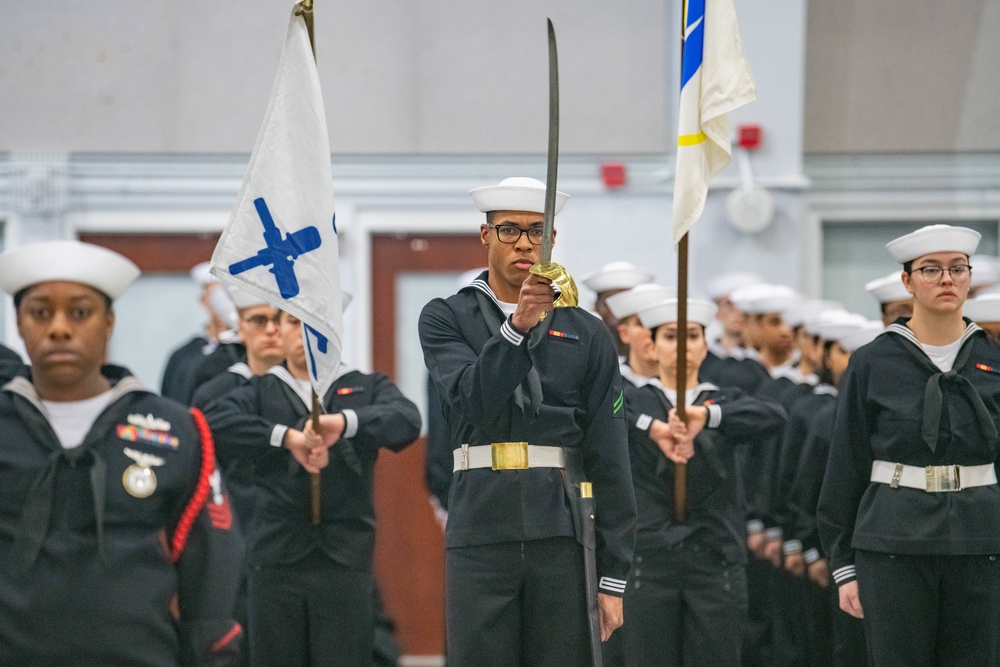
(409, 544)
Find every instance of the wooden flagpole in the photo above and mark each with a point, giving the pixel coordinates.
(315, 493)
(680, 469)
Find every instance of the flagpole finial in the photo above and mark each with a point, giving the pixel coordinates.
(305, 10)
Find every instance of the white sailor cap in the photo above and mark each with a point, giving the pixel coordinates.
(888, 288)
(764, 298)
(616, 275)
(699, 311)
(862, 335)
(73, 261)
(725, 284)
(985, 271)
(243, 299)
(633, 300)
(201, 273)
(933, 238)
(803, 311)
(983, 308)
(833, 324)
(515, 194)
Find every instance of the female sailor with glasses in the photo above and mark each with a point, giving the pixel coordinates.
(910, 505)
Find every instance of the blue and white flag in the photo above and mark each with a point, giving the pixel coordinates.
(715, 79)
(281, 240)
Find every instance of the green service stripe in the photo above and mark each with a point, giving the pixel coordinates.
(619, 402)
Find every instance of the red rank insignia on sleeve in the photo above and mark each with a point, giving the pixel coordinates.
(220, 512)
(221, 515)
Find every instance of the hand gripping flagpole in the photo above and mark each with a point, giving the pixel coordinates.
(305, 10)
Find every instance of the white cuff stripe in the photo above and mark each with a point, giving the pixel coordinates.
(755, 526)
(278, 435)
(350, 423)
(811, 556)
(508, 332)
(714, 415)
(792, 547)
(774, 533)
(842, 574)
(643, 422)
(616, 585)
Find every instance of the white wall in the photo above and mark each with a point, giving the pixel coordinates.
(468, 77)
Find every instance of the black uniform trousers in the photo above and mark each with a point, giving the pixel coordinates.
(313, 612)
(940, 611)
(517, 603)
(685, 605)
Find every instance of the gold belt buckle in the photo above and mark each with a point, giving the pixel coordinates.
(510, 455)
(942, 478)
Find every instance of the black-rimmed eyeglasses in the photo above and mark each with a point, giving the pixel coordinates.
(933, 274)
(511, 234)
(258, 322)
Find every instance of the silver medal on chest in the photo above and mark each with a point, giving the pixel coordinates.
(139, 479)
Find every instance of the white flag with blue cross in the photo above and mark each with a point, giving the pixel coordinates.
(715, 79)
(281, 240)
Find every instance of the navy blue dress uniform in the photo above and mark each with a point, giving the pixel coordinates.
(810, 597)
(740, 372)
(230, 351)
(179, 381)
(86, 571)
(238, 473)
(687, 600)
(311, 587)
(121, 550)
(477, 374)
(10, 364)
(439, 463)
(238, 480)
(910, 504)
(835, 632)
(235, 376)
(515, 569)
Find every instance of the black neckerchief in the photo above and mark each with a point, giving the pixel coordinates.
(37, 512)
(933, 399)
(492, 313)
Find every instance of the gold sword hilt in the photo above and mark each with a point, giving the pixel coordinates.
(569, 296)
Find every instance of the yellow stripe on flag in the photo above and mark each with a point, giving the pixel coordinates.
(719, 85)
(691, 139)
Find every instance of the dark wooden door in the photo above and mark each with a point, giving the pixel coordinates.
(409, 549)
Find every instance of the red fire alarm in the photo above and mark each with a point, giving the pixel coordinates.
(750, 137)
(614, 175)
